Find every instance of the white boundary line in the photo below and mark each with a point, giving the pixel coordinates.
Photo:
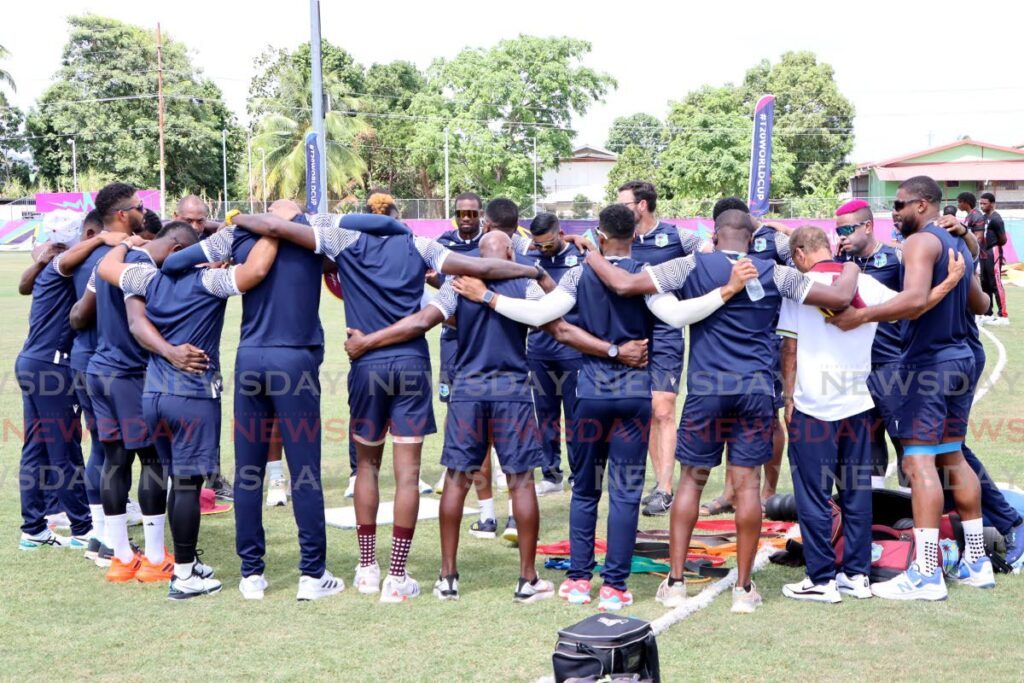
(993, 377)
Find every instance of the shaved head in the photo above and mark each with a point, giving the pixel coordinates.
(496, 244)
(285, 208)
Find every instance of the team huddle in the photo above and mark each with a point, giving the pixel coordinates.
(878, 340)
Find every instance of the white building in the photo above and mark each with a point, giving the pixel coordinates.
(584, 173)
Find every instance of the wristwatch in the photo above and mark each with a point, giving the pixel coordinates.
(540, 273)
(488, 297)
(613, 351)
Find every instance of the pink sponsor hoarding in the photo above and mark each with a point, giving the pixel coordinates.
(85, 201)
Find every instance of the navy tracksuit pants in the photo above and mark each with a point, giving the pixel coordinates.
(554, 387)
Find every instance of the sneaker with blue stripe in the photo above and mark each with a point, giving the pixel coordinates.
(43, 539)
(912, 585)
(978, 574)
(1015, 547)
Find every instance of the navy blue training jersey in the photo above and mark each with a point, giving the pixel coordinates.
(86, 339)
(542, 345)
(471, 247)
(284, 309)
(940, 334)
(732, 351)
(382, 277)
(185, 309)
(885, 266)
(770, 245)
(117, 352)
(49, 330)
(490, 364)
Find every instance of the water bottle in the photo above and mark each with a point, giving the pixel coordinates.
(754, 289)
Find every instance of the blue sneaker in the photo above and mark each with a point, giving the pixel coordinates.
(978, 574)
(1015, 547)
(487, 528)
(912, 585)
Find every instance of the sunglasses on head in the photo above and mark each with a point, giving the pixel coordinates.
(900, 204)
(847, 230)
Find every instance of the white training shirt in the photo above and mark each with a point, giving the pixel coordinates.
(832, 366)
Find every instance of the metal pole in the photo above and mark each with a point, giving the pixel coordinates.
(248, 147)
(74, 162)
(318, 100)
(534, 175)
(224, 157)
(264, 153)
(160, 114)
(447, 200)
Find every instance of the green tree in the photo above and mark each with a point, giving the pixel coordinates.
(642, 130)
(390, 89)
(281, 104)
(13, 167)
(582, 207)
(496, 103)
(812, 118)
(708, 152)
(105, 96)
(5, 76)
(634, 163)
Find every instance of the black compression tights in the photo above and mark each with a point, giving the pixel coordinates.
(183, 510)
(117, 479)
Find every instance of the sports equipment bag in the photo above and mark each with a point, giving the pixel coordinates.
(606, 645)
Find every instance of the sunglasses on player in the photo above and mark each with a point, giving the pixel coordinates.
(141, 208)
(900, 204)
(847, 230)
(467, 213)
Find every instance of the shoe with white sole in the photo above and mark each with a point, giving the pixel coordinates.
(997, 321)
(809, 591)
(977, 574)
(104, 556)
(856, 586)
(425, 488)
(612, 599)
(134, 513)
(533, 591)
(312, 588)
(350, 490)
(277, 493)
(252, 587)
(191, 587)
(203, 570)
(671, 594)
(547, 488)
(59, 520)
(484, 528)
(399, 589)
(93, 551)
(511, 533)
(80, 543)
(44, 539)
(367, 580)
(447, 587)
(575, 591)
(745, 601)
(912, 585)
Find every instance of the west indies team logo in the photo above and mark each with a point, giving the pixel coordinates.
(760, 244)
(661, 240)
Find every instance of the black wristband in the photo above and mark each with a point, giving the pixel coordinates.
(540, 273)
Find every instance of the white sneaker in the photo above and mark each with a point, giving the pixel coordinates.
(978, 574)
(194, 586)
(439, 486)
(545, 487)
(350, 490)
(367, 579)
(252, 587)
(744, 602)
(535, 591)
(399, 589)
(311, 588)
(997, 321)
(809, 591)
(447, 587)
(425, 488)
(912, 585)
(671, 596)
(856, 586)
(59, 521)
(277, 493)
(134, 513)
(43, 539)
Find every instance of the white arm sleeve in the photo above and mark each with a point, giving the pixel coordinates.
(789, 319)
(539, 311)
(682, 312)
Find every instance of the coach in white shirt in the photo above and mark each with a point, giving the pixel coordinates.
(824, 375)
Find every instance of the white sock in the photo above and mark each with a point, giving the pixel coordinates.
(510, 508)
(117, 533)
(487, 509)
(927, 547)
(183, 571)
(878, 482)
(974, 539)
(153, 528)
(275, 470)
(99, 525)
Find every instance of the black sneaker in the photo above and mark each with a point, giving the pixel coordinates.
(92, 552)
(222, 488)
(658, 505)
(485, 529)
(647, 499)
(103, 556)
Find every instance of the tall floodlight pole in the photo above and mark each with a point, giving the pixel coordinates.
(248, 148)
(160, 114)
(534, 175)
(74, 162)
(447, 201)
(224, 158)
(318, 104)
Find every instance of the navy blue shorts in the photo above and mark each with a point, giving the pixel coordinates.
(449, 347)
(665, 361)
(117, 405)
(81, 381)
(186, 433)
(510, 426)
(936, 404)
(744, 421)
(391, 395)
(884, 387)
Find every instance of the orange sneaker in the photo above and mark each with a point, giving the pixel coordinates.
(160, 572)
(121, 572)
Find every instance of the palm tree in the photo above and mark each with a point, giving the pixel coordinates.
(281, 136)
(5, 76)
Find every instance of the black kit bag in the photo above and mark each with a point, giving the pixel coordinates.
(606, 644)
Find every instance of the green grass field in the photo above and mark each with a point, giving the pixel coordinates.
(60, 619)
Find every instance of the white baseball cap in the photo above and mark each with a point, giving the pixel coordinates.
(62, 226)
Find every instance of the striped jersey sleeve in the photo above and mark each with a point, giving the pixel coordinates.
(520, 243)
(432, 253)
(446, 299)
(220, 282)
(671, 275)
(570, 281)
(782, 246)
(330, 239)
(689, 240)
(217, 247)
(56, 264)
(791, 283)
(135, 279)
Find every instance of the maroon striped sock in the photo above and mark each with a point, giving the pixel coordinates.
(401, 543)
(367, 535)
